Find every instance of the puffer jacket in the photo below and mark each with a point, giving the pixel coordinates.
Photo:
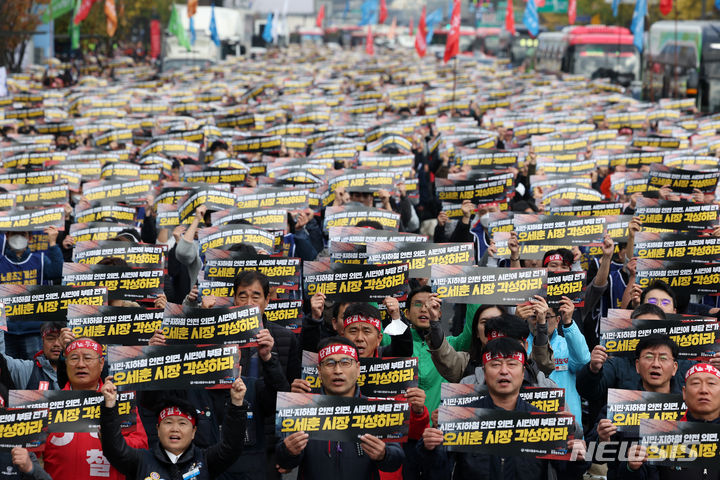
(196, 463)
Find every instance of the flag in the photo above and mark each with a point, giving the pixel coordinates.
(155, 39)
(665, 6)
(57, 8)
(452, 46)
(638, 23)
(83, 11)
(369, 11)
(510, 18)
(192, 31)
(176, 28)
(410, 25)
(320, 16)
(572, 11)
(615, 7)
(213, 26)
(431, 20)
(369, 46)
(383, 12)
(75, 29)
(346, 9)
(192, 7)
(451, 5)
(393, 27)
(110, 17)
(267, 31)
(531, 18)
(420, 44)
(276, 26)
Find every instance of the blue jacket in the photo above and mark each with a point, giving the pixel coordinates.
(570, 353)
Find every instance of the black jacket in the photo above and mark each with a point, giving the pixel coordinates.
(326, 460)
(436, 464)
(137, 464)
(287, 347)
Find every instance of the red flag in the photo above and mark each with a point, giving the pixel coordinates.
(382, 16)
(369, 47)
(420, 43)
(320, 16)
(510, 18)
(110, 17)
(155, 38)
(452, 45)
(665, 6)
(410, 26)
(83, 11)
(572, 11)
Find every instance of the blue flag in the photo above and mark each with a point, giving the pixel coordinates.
(433, 19)
(531, 18)
(347, 8)
(638, 23)
(717, 4)
(369, 10)
(267, 31)
(213, 26)
(615, 4)
(450, 9)
(192, 31)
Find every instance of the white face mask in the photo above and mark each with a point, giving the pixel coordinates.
(18, 242)
(485, 220)
(220, 155)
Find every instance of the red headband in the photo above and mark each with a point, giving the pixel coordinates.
(91, 344)
(375, 322)
(553, 257)
(519, 356)
(493, 334)
(49, 331)
(174, 412)
(702, 368)
(336, 349)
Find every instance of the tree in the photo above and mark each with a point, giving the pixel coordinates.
(132, 15)
(18, 21)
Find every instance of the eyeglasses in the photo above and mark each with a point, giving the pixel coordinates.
(75, 359)
(418, 304)
(662, 358)
(344, 363)
(664, 301)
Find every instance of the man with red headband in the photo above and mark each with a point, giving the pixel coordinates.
(503, 361)
(339, 369)
(80, 455)
(175, 456)
(701, 394)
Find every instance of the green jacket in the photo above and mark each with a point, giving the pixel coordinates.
(430, 379)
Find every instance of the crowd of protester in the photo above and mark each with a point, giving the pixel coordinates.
(321, 107)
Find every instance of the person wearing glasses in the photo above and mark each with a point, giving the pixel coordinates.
(701, 394)
(40, 373)
(656, 364)
(79, 455)
(339, 369)
(603, 372)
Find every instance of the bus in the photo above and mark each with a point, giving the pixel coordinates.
(596, 51)
(683, 60)
(520, 46)
(468, 44)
